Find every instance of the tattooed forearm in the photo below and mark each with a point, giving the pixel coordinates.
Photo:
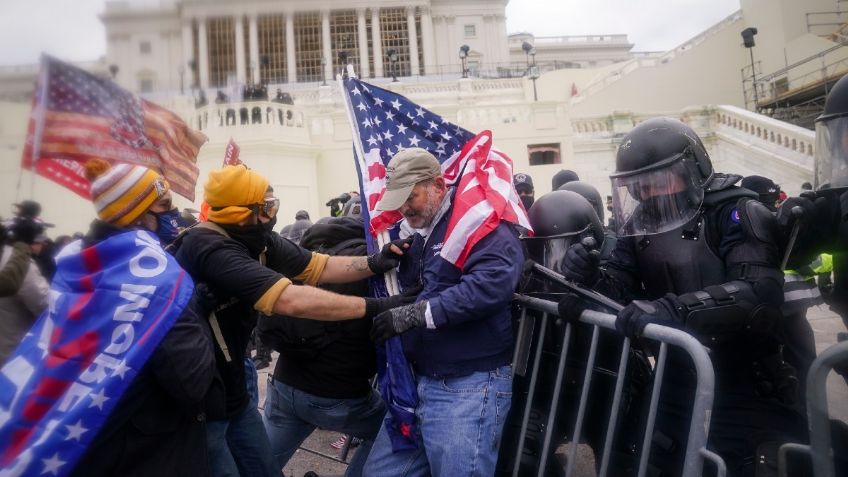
(358, 264)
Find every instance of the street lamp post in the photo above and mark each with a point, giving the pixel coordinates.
(748, 41)
(463, 56)
(532, 69)
(393, 60)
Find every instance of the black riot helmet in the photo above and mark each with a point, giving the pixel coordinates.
(589, 193)
(560, 219)
(661, 172)
(831, 161)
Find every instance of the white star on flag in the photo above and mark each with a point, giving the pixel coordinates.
(396, 104)
(401, 129)
(75, 431)
(98, 399)
(121, 369)
(51, 465)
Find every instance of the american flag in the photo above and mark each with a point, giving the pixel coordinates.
(77, 116)
(384, 122)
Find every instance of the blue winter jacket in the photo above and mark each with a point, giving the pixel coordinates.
(470, 308)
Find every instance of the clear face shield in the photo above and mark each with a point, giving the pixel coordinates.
(550, 251)
(831, 161)
(655, 200)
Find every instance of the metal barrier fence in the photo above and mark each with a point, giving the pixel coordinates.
(696, 452)
(820, 449)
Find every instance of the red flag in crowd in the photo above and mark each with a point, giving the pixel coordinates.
(573, 89)
(231, 154)
(77, 116)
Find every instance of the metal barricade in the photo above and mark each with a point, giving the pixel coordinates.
(820, 448)
(696, 452)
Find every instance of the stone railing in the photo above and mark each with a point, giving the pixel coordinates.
(247, 114)
(777, 133)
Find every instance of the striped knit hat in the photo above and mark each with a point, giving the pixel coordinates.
(121, 193)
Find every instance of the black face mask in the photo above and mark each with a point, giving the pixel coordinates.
(269, 226)
(251, 236)
(527, 201)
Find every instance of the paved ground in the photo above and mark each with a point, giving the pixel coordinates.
(825, 325)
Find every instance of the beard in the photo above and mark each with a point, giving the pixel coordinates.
(422, 217)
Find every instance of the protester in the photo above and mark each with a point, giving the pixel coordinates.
(457, 337)
(298, 228)
(24, 294)
(125, 326)
(523, 184)
(225, 253)
(322, 375)
(768, 191)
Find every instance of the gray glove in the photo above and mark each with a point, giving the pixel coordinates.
(397, 320)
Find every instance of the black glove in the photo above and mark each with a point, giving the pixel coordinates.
(25, 229)
(581, 264)
(570, 307)
(206, 301)
(668, 311)
(385, 260)
(375, 306)
(397, 320)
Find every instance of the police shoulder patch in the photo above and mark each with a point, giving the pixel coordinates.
(734, 215)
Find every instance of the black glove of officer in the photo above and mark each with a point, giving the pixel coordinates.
(397, 320)
(668, 311)
(376, 306)
(386, 259)
(581, 263)
(25, 229)
(570, 307)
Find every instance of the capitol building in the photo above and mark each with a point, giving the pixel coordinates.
(263, 73)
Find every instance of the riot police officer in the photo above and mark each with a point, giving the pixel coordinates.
(594, 197)
(697, 253)
(560, 219)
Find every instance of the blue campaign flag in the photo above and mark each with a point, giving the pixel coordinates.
(110, 306)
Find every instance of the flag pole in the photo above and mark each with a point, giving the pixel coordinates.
(383, 237)
(43, 88)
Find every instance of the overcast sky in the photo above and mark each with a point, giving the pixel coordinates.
(70, 29)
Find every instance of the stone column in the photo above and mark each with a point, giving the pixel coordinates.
(291, 61)
(253, 39)
(203, 53)
(414, 65)
(363, 42)
(427, 41)
(188, 55)
(326, 50)
(452, 61)
(240, 60)
(376, 39)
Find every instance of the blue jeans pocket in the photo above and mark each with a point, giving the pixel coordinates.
(473, 383)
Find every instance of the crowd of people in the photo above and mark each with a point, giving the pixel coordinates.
(685, 247)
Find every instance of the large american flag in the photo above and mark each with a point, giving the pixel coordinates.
(77, 116)
(384, 122)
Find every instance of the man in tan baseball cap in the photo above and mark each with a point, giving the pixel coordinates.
(414, 186)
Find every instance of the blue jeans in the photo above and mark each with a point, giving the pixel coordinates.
(460, 421)
(291, 416)
(238, 447)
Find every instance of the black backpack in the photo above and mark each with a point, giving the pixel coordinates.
(303, 339)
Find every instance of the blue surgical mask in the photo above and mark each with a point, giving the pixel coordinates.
(170, 224)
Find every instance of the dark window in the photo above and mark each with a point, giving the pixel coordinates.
(543, 154)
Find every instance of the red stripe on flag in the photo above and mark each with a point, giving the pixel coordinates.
(376, 171)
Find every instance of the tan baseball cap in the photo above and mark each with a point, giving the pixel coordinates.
(407, 168)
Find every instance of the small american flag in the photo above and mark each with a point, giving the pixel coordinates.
(77, 116)
(385, 122)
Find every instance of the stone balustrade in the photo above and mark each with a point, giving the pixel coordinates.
(247, 114)
(783, 135)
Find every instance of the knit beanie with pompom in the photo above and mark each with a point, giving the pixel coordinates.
(121, 193)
